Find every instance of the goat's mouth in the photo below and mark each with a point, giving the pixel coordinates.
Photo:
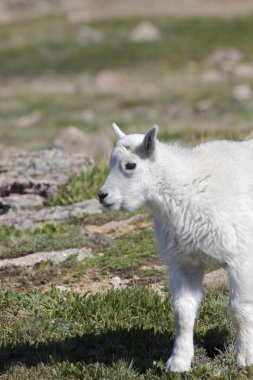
(108, 205)
(115, 206)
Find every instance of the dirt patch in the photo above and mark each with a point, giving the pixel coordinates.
(116, 229)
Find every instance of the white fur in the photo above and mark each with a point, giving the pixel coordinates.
(201, 200)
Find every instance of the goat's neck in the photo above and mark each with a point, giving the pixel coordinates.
(173, 180)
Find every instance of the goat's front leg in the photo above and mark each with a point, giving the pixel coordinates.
(186, 285)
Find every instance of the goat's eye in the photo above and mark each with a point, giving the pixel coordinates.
(130, 166)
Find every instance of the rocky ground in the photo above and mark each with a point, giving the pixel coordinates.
(26, 181)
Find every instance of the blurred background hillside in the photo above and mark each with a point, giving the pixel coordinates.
(68, 69)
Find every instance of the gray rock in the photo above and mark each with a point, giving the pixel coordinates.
(38, 172)
(29, 218)
(242, 92)
(55, 256)
(73, 140)
(204, 105)
(109, 81)
(20, 202)
(117, 283)
(28, 120)
(244, 71)
(89, 36)
(220, 56)
(212, 76)
(145, 32)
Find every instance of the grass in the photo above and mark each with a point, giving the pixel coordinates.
(124, 256)
(119, 335)
(50, 237)
(54, 44)
(125, 334)
(44, 69)
(79, 187)
(127, 253)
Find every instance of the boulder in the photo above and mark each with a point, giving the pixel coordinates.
(221, 56)
(89, 36)
(72, 140)
(38, 172)
(242, 92)
(28, 218)
(145, 32)
(109, 81)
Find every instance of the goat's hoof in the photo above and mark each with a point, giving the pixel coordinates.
(175, 364)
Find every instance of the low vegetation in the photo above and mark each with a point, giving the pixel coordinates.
(52, 325)
(50, 79)
(79, 187)
(119, 335)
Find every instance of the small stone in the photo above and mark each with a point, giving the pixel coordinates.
(73, 140)
(28, 120)
(145, 32)
(212, 76)
(244, 71)
(115, 282)
(88, 36)
(20, 202)
(109, 81)
(242, 92)
(88, 116)
(83, 254)
(204, 105)
(62, 288)
(219, 56)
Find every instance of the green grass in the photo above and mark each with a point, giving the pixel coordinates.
(124, 334)
(49, 237)
(164, 79)
(127, 253)
(119, 335)
(124, 256)
(54, 45)
(79, 187)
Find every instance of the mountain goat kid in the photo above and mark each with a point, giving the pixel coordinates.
(201, 200)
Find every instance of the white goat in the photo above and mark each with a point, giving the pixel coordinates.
(201, 200)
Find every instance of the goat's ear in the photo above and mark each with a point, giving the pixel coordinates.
(150, 140)
(119, 134)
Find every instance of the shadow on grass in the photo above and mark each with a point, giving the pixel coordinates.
(215, 341)
(142, 347)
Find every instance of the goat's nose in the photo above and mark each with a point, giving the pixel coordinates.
(102, 195)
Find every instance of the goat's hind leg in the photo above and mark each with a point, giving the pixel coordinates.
(241, 309)
(186, 285)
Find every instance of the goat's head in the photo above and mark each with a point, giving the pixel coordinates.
(131, 160)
